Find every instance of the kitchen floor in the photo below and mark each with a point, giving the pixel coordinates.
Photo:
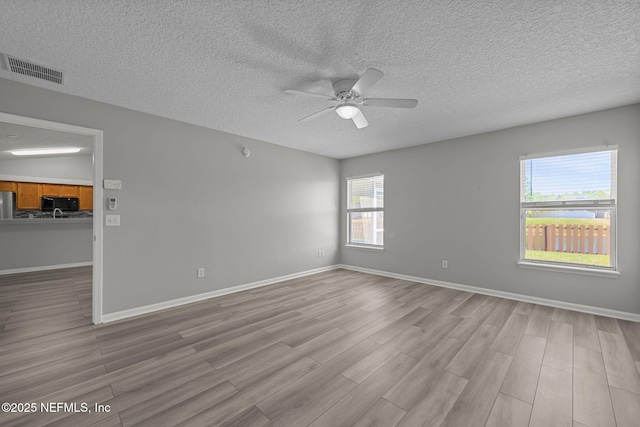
(338, 348)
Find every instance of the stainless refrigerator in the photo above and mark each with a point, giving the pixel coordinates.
(7, 204)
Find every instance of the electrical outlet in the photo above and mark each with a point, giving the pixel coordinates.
(445, 263)
(200, 273)
(320, 253)
(112, 220)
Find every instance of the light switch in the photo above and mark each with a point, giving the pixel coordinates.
(112, 184)
(113, 220)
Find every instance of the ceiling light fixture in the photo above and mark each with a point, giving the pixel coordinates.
(347, 110)
(44, 151)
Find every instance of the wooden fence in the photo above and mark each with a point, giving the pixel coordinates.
(581, 239)
(361, 230)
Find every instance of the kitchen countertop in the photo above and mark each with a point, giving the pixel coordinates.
(21, 221)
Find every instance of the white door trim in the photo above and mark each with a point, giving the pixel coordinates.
(97, 194)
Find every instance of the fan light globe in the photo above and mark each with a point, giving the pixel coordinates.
(347, 111)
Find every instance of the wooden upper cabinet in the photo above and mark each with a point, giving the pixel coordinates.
(28, 196)
(60, 190)
(86, 197)
(52, 190)
(68, 190)
(8, 186)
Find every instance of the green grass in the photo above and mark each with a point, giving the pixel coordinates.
(584, 259)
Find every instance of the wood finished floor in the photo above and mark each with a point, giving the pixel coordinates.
(339, 348)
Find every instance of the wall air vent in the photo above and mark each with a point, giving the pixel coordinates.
(27, 68)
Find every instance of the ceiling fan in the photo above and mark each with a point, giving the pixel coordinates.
(349, 101)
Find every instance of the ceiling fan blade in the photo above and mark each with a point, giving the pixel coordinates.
(360, 120)
(368, 79)
(390, 102)
(314, 95)
(316, 114)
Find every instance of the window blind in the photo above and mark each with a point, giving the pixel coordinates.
(578, 177)
(366, 193)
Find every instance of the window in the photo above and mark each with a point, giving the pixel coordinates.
(365, 211)
(568, 209)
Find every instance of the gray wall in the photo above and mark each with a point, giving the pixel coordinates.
(459, 200)
(77, 168)
(190, 199)
(42, 245)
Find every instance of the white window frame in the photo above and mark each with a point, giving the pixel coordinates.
(355, 210)
(611, 204)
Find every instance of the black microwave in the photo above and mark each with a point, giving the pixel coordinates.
(62, 203)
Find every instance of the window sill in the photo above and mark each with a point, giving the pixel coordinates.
(365, 247)
(568, 269)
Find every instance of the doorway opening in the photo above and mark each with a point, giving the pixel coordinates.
(96, 137)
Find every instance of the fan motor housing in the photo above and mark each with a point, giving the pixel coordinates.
(342, 89)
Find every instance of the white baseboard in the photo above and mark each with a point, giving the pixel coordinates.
(119, 315)
(44, 268)
(508, 295)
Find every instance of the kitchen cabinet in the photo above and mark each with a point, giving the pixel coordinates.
(68, 190)
(52, 190)
(8, 186)
(85, 193)
(28, 196)
(59, 190)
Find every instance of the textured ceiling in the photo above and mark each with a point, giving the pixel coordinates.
(474, 66)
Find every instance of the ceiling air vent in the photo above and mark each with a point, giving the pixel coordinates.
(20, 66)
